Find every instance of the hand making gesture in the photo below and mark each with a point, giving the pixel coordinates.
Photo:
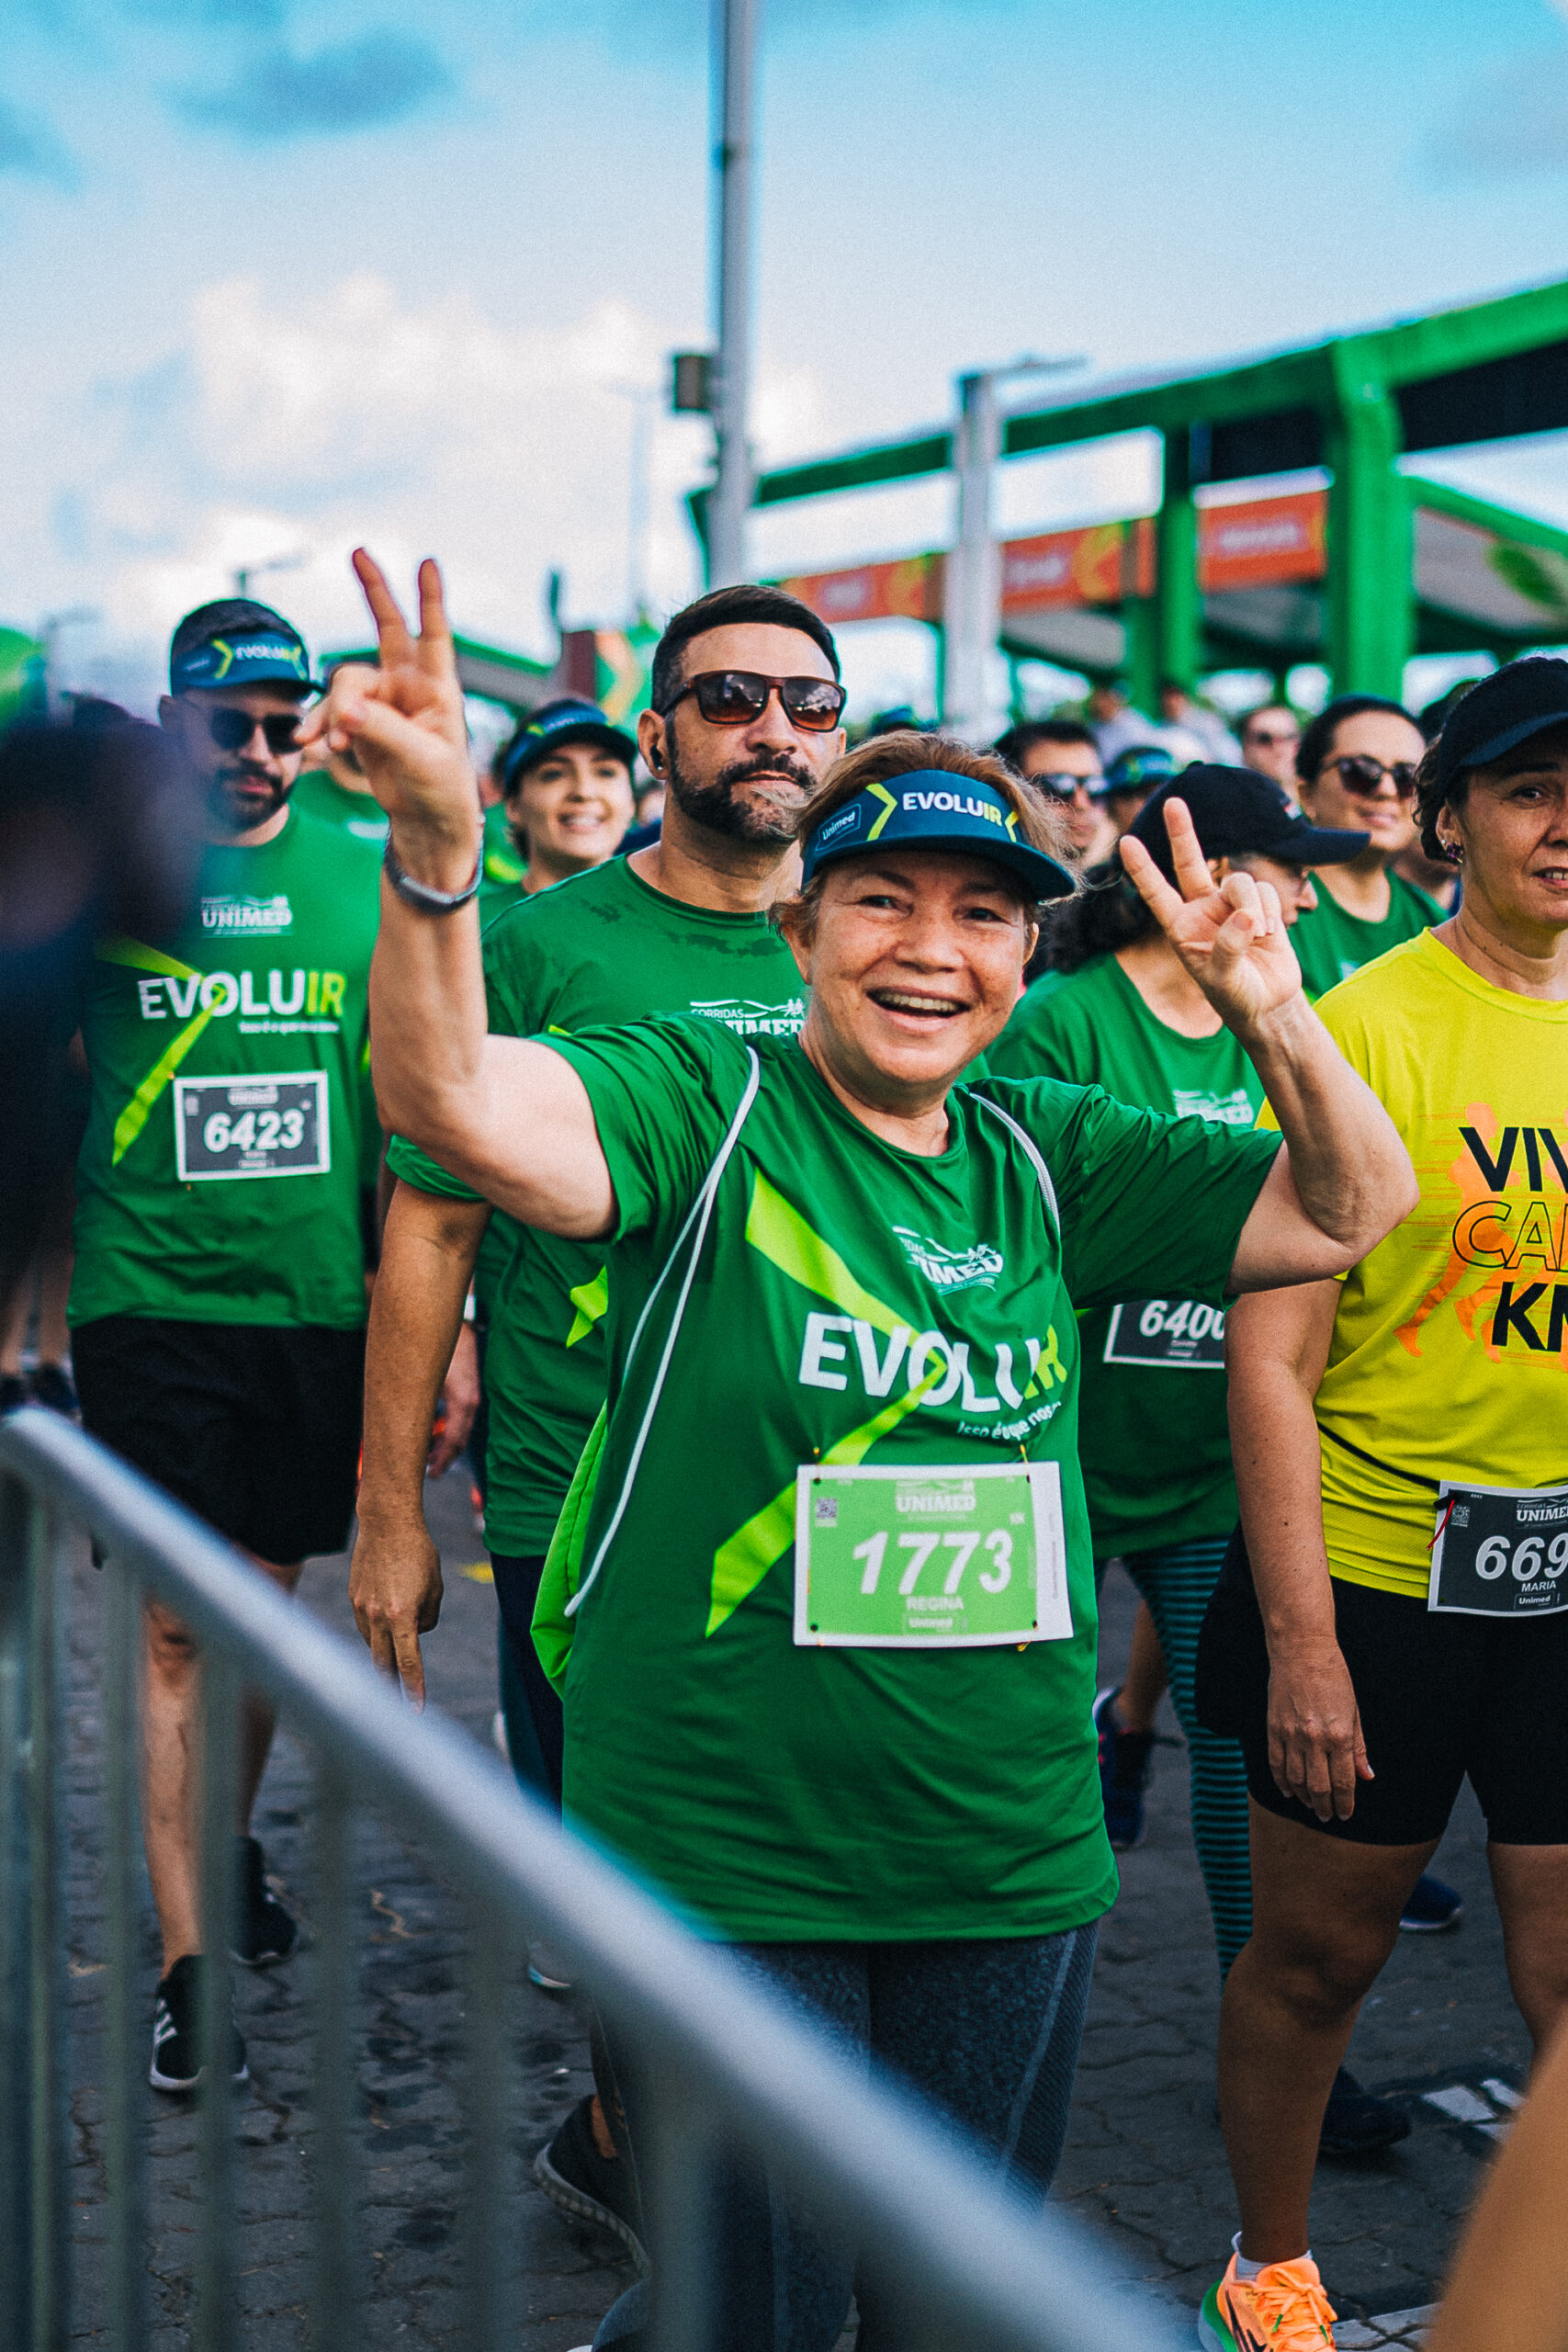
(403, 721)
(1230, 935)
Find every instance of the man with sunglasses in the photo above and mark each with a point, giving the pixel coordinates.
(1062, 760)
(218, 1299)
(1356, 772)
(1269, 737)
(747, 716)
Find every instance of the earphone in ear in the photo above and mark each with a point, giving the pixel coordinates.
(656, 761)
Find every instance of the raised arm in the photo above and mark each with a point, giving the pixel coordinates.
(511, 1118)
(1276, 1348)
(1344, 1178)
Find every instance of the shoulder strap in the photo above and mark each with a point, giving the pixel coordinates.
(699, 1214)
(1036, 1161)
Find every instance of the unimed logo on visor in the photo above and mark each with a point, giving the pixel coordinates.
(846, 821)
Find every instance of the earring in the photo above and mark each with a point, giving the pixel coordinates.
(1454, 853)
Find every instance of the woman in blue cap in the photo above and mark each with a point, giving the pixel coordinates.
(832, 1602)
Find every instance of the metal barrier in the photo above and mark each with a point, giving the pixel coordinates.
(975, 2268)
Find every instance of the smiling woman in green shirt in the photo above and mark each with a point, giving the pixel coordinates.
(1122, 1012)
(833, 1653)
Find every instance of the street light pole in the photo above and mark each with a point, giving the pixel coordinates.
(735, 48)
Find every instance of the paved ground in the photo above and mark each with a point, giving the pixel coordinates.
(1144, 2165)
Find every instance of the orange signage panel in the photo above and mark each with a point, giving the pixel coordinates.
(907, 590)
(1263, 542)
(1084, 567)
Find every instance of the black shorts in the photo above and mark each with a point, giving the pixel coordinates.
(255, 1426)
(1440, 1696)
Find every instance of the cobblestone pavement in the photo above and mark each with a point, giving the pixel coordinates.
(1145, 2168)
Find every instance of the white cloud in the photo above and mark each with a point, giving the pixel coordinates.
(276, 426)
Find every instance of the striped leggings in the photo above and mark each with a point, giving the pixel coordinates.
(1176, 1582)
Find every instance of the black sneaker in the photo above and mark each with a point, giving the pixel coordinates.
(602, 2189)
(1355, 2121)
(52, 1386)
(13, 1393)
(1124, 1772)
(1433, 1906)
(265, 1933)
(176, 2064)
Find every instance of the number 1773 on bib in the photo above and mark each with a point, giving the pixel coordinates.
(929, 1557)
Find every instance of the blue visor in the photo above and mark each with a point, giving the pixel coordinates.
(566, 720)
(248, 658)
(935, 809)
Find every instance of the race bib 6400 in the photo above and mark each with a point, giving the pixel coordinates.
(1178, 1334)
(230, 1127)
(929, 1557)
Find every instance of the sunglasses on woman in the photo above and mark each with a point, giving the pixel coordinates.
(1363, 775)
(734, 697)
(231, 730)
(1064, 784)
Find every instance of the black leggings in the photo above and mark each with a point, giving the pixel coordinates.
(987, 2031)
(534, 1731)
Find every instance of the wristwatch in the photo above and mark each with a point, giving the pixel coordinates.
(428, 900)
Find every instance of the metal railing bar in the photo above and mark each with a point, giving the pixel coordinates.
(332, 2142)
(488, 2199)
(18, 1510)
(220, 1731)
(124, 2151)
(46, 1961)
(999, 2271)
(678, 2176)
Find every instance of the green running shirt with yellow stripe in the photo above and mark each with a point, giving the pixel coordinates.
(853, 1303)
(602, 947)
(220, 1177)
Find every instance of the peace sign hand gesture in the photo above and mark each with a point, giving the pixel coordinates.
(1231, 935)
(403, 721)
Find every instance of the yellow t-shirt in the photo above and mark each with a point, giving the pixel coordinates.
(1449, 1355)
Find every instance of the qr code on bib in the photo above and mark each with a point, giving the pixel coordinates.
(228, 1129)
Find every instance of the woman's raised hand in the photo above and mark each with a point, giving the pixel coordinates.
(403, 722)
(1231, 935)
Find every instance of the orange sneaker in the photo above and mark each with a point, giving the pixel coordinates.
(1284, 2308)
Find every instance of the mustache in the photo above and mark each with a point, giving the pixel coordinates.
(767, 763)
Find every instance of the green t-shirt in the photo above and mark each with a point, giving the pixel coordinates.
(502, 866)
(782, 1792)
(602, 946)
(1154, 1440)
(219, 1180)
(1331, 945)
(319, 794)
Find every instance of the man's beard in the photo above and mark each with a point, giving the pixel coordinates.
(716, 808)
(249, 815)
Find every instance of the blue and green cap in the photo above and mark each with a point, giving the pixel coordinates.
(569, 719)
(237, 643)
(933, 808)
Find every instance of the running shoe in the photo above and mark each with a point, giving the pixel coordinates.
(591, 2187)
(13, 1393)
(1284, 2308)
(176, 2062)
(1355, 2121)
(1124, 1772)
(52, 1386)
(1432, 1907)
(265, 1933)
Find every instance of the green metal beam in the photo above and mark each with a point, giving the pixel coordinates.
(1403, 353)
(1524, 530)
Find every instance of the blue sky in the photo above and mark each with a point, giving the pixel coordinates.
(281, 276)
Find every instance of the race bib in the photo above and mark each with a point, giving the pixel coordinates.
(1180, 1334)
(232, 1127)
(930, 1559)
(1498, 1553)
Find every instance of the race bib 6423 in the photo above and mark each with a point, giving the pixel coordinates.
(232, 1127)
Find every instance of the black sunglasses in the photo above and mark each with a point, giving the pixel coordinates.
(231, 730)
(1062, 785)
(1363, 775)
(734, 697)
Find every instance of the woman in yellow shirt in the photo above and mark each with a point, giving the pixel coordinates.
(1398, 1617)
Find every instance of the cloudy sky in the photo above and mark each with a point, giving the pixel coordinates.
(281, 276)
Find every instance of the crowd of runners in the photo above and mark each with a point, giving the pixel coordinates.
(1134, 1141)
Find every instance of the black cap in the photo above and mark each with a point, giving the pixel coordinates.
(1521, 700)
(1234, 812)
(237, 642)
(571, 718)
